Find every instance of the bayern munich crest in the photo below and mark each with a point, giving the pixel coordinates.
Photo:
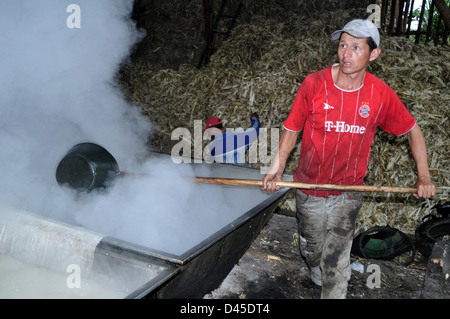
(364, 111)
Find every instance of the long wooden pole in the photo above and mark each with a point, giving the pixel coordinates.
(355, 188)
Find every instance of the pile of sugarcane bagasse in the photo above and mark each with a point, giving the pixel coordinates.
(260, 67)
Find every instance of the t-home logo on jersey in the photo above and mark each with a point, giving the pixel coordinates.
(342, 127)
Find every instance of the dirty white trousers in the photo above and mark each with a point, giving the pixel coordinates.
(326, 229)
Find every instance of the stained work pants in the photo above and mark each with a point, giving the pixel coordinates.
(326, 229)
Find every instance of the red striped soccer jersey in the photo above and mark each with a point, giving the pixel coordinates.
(339, 126)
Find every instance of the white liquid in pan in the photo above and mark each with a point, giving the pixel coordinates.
(164, 210)
(26, 281)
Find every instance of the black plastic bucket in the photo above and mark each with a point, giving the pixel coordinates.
(87, 166)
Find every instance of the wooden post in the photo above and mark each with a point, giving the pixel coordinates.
(445, 35)
(444, 10)
(430, 22)
(419, 27)
(392, 17)
(401, 4)
(405, 16)
(384, 10)
(408, 32)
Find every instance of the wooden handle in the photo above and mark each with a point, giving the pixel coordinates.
(355, 188)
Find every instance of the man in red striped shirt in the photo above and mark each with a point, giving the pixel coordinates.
(339, 109)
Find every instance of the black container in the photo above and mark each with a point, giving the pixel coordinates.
(87, 166)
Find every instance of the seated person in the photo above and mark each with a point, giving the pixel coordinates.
(229, 146)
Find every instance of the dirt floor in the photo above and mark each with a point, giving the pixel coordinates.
(273, 268)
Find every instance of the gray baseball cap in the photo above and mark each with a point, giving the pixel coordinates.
(359, 28)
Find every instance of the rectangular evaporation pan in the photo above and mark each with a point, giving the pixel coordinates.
(204, 265)
(57, 260)
(217, 208)
(202, 268)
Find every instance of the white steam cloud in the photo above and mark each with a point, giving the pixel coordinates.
(57, 89)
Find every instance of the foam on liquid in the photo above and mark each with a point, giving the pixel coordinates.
(26, 281)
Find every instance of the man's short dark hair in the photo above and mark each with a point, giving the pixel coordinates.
(372, 44)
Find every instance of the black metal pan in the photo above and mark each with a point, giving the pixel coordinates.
(87, 166)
